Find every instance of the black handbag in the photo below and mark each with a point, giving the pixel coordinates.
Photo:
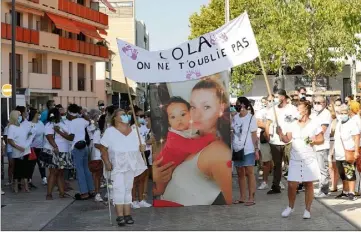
(80, 145)
(239, 155)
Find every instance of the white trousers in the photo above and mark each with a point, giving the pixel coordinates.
(122, 187)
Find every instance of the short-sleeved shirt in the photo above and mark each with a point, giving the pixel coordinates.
(343, 138)
(240, 127)
(20, 135)
(38, 141)
(95, 155)
(357, 119)
(9, 148)
(77, 128)
(61, 142)
(285, 115)
(300, 149)
(323, 118)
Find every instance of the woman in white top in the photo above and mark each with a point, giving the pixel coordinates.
(347, 140)
(55, 154)
(245, 138)
(121, 156)
(20, 136)
(304, 134)
(95, 163)
(38, 142)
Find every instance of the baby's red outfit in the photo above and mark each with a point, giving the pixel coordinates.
(178, 148)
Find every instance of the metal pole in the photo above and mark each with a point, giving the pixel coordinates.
(13, 55)
(353, 77)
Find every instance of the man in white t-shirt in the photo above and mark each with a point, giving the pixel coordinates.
(79, 150)
(286, 113)
(323, 118)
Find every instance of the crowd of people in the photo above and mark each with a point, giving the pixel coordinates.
(304, 137)
(94, 147)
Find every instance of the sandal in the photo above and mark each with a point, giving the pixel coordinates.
(129, 220)
(49, 197)
(79, 197)
(120, 220)
(238, 202)
(249, 203)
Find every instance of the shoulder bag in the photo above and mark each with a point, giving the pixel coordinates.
(239, 155)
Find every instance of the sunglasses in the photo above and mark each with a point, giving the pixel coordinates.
(317, 103)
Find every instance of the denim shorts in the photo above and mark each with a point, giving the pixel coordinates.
(9, 155)
(249, 160)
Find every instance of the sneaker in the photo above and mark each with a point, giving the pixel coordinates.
(135, 205)
(8, 184)
(306, 214)
(320, 195)
(285, 174)
(144, 204)
(44, 181)
(352, 197)
(2, 192)
(98, 198)
(103, 185)
(263, 186)
(274, 191)
(287, 212)
(282, 186)
(341, 195)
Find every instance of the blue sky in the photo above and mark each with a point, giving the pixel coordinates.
(167, 21)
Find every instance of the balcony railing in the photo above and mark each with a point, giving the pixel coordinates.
(23, 35)
(56, 82)
(73, 45)
(82, 11)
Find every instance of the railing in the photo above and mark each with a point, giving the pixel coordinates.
(82, 11)
(56, 82)
(73, 45)
(23, 35)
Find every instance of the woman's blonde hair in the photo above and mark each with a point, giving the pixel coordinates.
(13, 118)
(112, 120)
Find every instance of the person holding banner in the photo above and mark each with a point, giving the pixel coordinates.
(120, 152)
(204, 178)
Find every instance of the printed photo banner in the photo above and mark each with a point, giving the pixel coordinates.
(230, 45)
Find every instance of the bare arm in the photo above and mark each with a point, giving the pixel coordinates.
(13, 144)
(51, 140)
(286, 138)
(267, 128)
(63, 134)
(261, 124)
(318, 140)
(356, 139)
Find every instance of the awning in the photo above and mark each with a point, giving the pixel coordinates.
(88, 30)
(107, 4)
(63, 23)
(102, 31)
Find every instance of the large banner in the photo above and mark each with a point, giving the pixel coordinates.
(230, 45)
(192, 121)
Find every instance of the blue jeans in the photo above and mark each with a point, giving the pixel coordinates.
(84, 177)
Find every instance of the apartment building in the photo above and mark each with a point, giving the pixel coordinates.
(110, 77)
(58, 43)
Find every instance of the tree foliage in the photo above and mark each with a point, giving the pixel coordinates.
(316, 34)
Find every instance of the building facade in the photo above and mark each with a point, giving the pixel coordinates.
(58, 43)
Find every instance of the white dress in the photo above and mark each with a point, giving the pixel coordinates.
(303, 165)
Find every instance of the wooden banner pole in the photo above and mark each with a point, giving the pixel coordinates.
(135, 118)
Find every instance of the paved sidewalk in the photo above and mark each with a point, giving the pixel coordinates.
(265, 215)
(29, 211)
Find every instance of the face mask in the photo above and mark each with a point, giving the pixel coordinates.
(141, 120)
(301, 96)
(309, 99)
(264, 105)
(343, 117)
(63, 117)
(124, 118)
(317, 108)
(276, 101)
(299, 116)
(20, 119)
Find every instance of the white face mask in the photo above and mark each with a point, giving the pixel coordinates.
(299, 116)
(343, 117)
(309, 99)
(276, 101)
(317, 108)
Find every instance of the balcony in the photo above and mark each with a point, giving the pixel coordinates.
(56, 82)
(81, 47)
(23, 35)
(49, 40)
(83, 12)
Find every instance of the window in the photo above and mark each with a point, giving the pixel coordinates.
(81, 77)
(81, 37)
(70, 76)
(107, 66)
(81, 2)
(91, 79)
(55, 30)
(18, 18)
(56, 74)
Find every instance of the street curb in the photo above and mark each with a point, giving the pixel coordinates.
(41, 228)
(339, 214)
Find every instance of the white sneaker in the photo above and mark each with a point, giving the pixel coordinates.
(282, 185)
(320, 195)
(144, 204)
(135, 205)
(45, 181)
(98, 198)
(287, 212)
(263, 186)
(306, 214)
(2, 192)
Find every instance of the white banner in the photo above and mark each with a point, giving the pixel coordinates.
(230, 45)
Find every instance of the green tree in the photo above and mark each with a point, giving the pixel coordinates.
(315, 34)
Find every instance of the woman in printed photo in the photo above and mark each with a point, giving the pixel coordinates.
(204, 178)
